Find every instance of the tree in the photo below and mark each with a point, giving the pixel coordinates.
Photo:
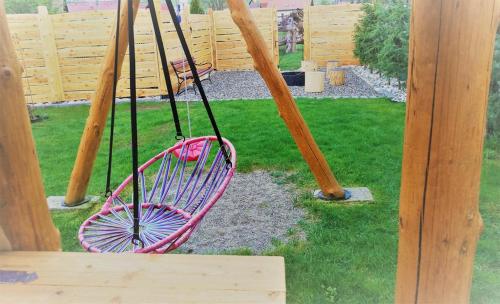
(494, 101)
(366, 37)
(381, 38)
(217, 5)
(392, 58)
(28, 6)
(196, 7)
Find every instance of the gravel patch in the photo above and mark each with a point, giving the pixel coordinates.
(253, 211)
(249, 85)
(359, 83)
(380, 83)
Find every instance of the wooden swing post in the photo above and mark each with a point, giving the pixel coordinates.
(99, 109)
(289, 112)
(25, 222)
(450, 57)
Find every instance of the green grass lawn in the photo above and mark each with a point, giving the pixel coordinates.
(349, 255)
(291, 61)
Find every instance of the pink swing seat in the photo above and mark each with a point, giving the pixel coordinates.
(194, 151)
(176, 193)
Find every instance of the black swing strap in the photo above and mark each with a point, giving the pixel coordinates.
(133, 124)
(113, 103)
(196, 78)
(164, 64)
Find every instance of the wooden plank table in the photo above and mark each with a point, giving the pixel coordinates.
(69, 277)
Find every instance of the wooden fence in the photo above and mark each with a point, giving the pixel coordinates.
(62, 54)
(328, 33)
(231, 50)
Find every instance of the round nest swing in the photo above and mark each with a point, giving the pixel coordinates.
(173, 191)
(172, 203)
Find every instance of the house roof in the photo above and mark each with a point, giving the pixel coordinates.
(98, 5)
(283, 5)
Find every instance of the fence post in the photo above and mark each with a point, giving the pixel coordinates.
(276, 46)
(25, 222)
(449, 68)
(162, 87)
(213, 45)
(307, 33)
(50, 54)
(186, 26)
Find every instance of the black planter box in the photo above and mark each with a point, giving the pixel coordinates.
(296, 79)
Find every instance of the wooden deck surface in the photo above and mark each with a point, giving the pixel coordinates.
(66, 277)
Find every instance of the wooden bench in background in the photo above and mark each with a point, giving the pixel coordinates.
(185, 75)
(70, 277)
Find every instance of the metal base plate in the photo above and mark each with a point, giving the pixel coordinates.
(57, 203)
(358, 195)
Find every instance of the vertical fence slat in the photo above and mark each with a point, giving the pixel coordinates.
(276, 44)
(50, 54)
(307, 33)
(186, 27)
(213, 47)
(162, 87)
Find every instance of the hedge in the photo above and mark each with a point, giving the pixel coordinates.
(494, 102)
(381, 38)
(381, 43)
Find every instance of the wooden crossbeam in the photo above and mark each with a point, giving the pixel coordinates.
(64, 277)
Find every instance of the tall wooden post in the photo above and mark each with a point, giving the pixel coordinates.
(25, 222)
(264, 64)
(96, 122)
(450, 56)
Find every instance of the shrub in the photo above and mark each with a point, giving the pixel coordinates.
(196, 7)
(392, 58)
(366, 42)
(28, 6)
(381, 38)
(381, 43)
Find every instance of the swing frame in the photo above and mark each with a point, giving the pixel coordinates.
(25, 223)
